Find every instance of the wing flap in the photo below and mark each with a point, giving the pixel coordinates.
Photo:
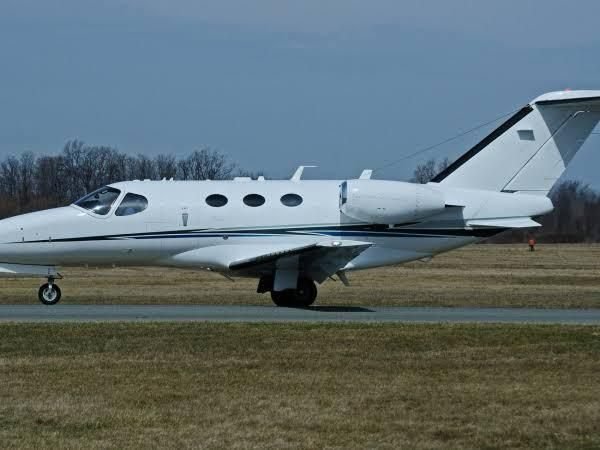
(319, 260)
(271, 257)
(331, 258)
(513, 222)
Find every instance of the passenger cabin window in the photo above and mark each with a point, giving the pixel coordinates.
(100, 201)
(291, 200)
(254, 200)
(132, 204)
(216, 200)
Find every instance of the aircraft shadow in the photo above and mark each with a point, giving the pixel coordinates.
(350, 309)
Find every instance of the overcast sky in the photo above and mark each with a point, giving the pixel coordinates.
(343, 84)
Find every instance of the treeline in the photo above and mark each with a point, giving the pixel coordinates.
(575, 219)
(576, 215)
(30, 182)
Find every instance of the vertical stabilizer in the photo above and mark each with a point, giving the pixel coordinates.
(530, 151)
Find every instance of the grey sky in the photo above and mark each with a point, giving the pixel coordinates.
(344, 84)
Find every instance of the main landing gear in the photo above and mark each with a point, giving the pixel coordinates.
(49, 293)
(303, 296)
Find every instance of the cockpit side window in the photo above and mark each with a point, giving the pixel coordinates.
(132, 204)
(99, 201)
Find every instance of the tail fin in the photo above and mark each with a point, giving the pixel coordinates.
(529, 151)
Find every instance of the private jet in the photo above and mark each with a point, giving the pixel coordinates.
(293, 234)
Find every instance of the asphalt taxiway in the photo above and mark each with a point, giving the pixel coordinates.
(336, 314)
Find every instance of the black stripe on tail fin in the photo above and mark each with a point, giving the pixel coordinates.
(483, 143)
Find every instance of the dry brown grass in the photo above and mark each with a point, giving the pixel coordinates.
(299, 386)
(482, 275)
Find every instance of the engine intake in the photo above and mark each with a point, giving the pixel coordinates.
(389, 202)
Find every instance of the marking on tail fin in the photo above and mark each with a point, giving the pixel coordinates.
(567, 100)
(483, 143)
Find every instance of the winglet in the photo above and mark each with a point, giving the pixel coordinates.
(298, 173)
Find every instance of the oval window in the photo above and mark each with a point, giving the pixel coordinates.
(216, 200)
(291, 200)
(254, 200)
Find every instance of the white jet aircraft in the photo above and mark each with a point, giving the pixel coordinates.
(290, 234)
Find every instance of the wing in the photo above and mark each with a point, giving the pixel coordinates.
(27, 270)
(319, 260)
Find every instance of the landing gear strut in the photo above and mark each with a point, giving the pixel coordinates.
(302, 297)
(49, 293)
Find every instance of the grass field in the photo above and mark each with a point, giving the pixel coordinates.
(299, 386)
(482, 275)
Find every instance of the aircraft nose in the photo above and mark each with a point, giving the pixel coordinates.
(8, 231)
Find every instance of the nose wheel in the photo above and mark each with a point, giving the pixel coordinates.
(49, 293)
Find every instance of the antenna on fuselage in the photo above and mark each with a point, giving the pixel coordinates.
(366, 174)
(298, 173)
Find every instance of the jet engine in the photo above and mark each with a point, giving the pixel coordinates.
(389, 202)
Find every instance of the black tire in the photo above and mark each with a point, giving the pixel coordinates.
(280, 298)
(49, 295)
(302, 297)
(306, 294)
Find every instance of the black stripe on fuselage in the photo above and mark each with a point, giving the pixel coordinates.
(222, 231)
(483, 143)
(338, 231)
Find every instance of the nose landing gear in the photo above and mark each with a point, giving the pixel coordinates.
(49, 293)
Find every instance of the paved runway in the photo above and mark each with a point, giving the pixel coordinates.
(193, 313)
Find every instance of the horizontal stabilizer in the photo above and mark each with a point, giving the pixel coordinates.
(514, 222)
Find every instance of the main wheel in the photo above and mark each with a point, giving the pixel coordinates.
(49, 294)
(306, 293)
(280, 298)
(301, 297)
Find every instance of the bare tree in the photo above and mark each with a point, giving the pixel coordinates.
(141, 168)
(9, 185)
(425, 172)
(26, 173)
(73, 156)
(166, 166)
(205, 164)
(9, 176)
(28, 183)
(50, 187)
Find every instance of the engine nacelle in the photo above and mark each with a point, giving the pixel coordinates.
(389, 202)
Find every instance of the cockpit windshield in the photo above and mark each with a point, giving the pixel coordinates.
(100, 201)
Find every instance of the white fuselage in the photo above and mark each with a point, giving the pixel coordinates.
(178, 220)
